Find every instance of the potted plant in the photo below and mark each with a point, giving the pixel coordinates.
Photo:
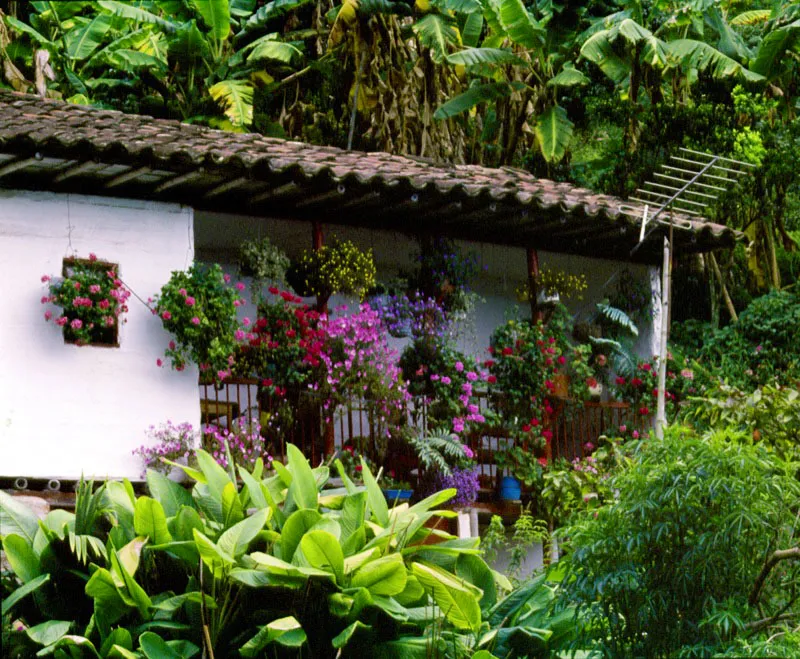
(92, 298)
(522, 468)
(394, 489)
(444, 273)
(198, 307)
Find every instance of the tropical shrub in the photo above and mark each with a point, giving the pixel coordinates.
(277, 565)
(695, 550)
(198, 308)
(763, 347)
(770, 414)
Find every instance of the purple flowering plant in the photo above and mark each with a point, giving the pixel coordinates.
(464, 480)
(244, 441)
(358, 364)
(174, 442)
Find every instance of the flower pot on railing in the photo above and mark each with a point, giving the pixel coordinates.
(561, 385)
(510, 489)
(397, 496)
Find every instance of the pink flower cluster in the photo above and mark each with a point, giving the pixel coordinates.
(92, 299)
(244, 441)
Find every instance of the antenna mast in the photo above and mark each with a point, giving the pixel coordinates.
(691, 182)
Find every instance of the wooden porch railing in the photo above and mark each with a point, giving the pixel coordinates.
(575, 430)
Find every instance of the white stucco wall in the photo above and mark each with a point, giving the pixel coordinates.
(67, 410)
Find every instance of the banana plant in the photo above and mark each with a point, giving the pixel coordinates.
(184, 51)
(277, 562)
(516, 72)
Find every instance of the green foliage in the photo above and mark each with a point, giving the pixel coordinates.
(438, 452)
(680, 559)
(199, 309)
(277, 565)
(769, 414)
(762, 347)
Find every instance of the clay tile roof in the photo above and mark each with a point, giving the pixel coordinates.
(507, 205)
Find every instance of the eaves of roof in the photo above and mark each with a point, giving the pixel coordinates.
(52, 145)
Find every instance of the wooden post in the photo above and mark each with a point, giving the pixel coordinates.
(317, 240)
(661, 410)
(533, 285)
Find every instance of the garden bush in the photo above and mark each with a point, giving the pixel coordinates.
(696, 550)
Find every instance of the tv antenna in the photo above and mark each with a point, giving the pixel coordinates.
(687, 184)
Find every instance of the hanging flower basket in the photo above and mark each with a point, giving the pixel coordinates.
(92, 298)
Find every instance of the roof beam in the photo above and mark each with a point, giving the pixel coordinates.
(227, 186)
(77, 169)
(12, 167)
(126, 176)
(180, 179)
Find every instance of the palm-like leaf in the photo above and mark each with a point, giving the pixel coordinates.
(598, 50)
(236, 98)
(554, 132)
(568, 77)
(700, 55)
(753, 17)
(518, 25)
(259, 21)
(473, 26)
(216, 14)
(618, 317)
(127, 10)
(623, 359)
(477, 56)
(773, 48)
(475, 95)
(437, 33)
(275, 50)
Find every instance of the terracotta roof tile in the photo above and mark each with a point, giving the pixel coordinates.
(60, 128)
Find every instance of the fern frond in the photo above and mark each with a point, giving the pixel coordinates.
(618, 317)
(434, 451)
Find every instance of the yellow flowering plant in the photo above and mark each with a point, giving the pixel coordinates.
(340, 267)
(557, 282)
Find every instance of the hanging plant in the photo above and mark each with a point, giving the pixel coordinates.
(92, 298)
(198, 308)
(340, 267)
(264, 263)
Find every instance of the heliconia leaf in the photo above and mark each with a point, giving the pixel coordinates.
(554, 132)
(49, 632)
(16, 517)
(375, 499)
(284, 631)
(168, 493)
(237, 538)
(23, 591)
(322, 551)
(20, 555)
(455, 597)
(149, 520)
(384, 576)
